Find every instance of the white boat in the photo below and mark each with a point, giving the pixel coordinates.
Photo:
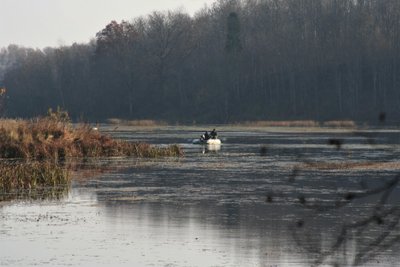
(213, 142)
(207, 142)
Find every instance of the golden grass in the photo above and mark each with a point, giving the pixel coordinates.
(142, 123)
(340, 124)
(42, 142)
(298, 123)
(31, 175)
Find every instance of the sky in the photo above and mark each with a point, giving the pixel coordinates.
(44, 23)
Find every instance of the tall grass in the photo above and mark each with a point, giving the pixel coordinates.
(340, 124)
(54, 137)
(144, 123)
(43, 142)
(300, 123)
(23, 177)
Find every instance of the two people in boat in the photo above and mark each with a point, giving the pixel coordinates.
(212, 135)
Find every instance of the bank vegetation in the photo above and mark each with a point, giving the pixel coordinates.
(31, 150)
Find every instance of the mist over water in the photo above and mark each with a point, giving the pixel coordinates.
(256, 200)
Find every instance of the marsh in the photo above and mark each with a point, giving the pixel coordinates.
(266, 197)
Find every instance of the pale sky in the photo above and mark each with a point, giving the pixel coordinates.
(42, 23)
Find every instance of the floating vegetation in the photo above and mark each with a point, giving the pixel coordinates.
(55, 137)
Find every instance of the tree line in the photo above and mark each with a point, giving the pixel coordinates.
(232, 61)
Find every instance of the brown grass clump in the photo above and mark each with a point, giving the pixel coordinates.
(359, 166)
(49, 139)
(142, 123)
(54, 137)
(31, 175)
(305, 123)
(114, 121)
(300, 123)
(147, 151)
(340, 124)
(145, 123)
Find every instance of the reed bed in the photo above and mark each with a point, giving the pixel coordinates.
(141, 123)
(356, 166)
(340, 124)
(299, 123)
(23, 176)
(39, 145)
(54, 137)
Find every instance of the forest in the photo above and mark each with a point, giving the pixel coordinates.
(235, 60)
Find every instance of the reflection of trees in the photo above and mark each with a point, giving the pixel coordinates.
(355, 224)
(369, 233)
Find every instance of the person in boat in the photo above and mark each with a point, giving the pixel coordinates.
(213, 134)
(205, 136)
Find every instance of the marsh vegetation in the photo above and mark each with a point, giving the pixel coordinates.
(55, 137)
(34, 179)
(42, 143)
(300, 123)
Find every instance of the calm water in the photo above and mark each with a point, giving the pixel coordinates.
(254, 201)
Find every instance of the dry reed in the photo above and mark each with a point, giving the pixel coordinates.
(300, 123)
(340, 124)
(31, 175)
(345, 165)
(54, 137)
(141, 123)
(42, 142)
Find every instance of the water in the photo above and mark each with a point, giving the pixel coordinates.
(255, 201)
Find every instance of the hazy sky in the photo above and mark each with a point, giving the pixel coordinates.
(41, 23)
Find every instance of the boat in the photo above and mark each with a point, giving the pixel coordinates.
(208, 139)
(202, 141)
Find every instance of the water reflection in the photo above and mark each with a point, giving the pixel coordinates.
(211, 148)
(366, 210)
(203, 236)
(363, 230)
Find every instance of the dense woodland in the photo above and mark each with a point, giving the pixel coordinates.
(232, 61)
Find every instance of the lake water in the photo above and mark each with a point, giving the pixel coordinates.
(266, 197)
